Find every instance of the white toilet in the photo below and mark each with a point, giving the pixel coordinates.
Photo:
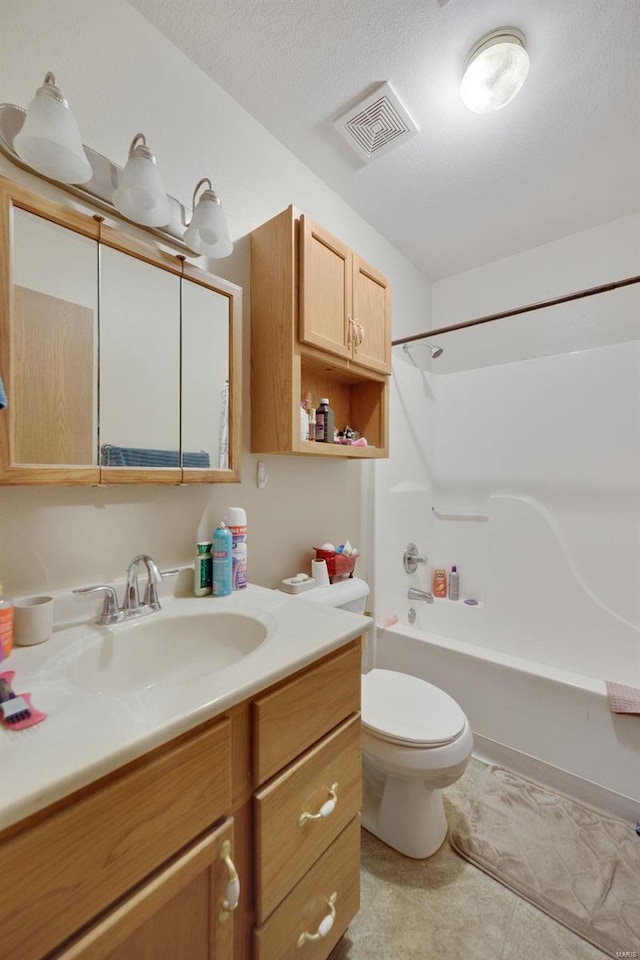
(416, 740)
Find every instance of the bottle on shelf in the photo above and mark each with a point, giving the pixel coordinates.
(454, 585)
(325, 425)
(439, 583)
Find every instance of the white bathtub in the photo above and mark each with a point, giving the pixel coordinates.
(544, 722)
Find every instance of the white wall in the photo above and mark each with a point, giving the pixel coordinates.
(121, 76)
(558, 435)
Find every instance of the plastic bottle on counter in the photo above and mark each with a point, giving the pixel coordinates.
(454, 585)
(6, 626)
(222, 561)
(236, 521)
(203, 570)
(325, 426)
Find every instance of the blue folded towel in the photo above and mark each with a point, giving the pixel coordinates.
(113, 456)
(3, 396)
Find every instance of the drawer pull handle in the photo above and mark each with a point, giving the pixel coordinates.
(233, 883)
(325, 924)
(326, 809)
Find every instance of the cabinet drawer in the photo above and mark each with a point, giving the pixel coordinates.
(69, 866)
(337, 872)
(286, 848)
(298, 713)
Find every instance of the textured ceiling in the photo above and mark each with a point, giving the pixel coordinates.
(468, 189)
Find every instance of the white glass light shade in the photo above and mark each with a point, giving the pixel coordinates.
(495, 71)
(140, 195)
(208, 233)
(49, 140)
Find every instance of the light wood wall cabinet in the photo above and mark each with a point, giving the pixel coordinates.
(139, 865)
(320, 326)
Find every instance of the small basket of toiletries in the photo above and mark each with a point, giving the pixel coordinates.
(338, 564)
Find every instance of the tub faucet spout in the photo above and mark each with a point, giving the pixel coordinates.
(415, 594)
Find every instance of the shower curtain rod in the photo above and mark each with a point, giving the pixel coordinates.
(603, 288)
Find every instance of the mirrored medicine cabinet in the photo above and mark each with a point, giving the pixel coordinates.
(120, 363)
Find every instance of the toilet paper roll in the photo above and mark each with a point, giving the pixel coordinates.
(320, 573)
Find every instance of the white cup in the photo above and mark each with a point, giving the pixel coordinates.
(320, 573)
(32, 620)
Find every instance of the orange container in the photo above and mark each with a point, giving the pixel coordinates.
(337, 564)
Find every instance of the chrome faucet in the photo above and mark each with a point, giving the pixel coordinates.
(131, 606)
(415, 594)
(131, 602)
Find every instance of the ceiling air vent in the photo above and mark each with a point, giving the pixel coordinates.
(376, 124)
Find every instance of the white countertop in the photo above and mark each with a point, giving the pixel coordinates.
(87, 734)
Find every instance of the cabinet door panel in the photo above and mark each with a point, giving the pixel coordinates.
(175, 916)
(325, 290)
(372, 310)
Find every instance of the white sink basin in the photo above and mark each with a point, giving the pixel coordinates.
(160, 651)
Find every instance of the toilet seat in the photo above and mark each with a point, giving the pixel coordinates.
(408, 711)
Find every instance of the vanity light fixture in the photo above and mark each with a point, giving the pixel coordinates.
(208, 233)
(140, 195)
(45, 140)
(495, 70)
(49, 140)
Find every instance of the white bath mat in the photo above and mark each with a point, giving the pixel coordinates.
(578, 865)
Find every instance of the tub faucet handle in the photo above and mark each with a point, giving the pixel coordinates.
(412, 558)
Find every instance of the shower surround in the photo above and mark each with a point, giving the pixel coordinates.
(526, 475)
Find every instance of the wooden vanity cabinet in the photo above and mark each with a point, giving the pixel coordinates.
(134, 866)
(320, 326)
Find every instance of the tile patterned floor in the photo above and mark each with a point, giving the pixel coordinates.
(446, 909)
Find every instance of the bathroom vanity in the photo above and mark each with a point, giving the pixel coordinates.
(139, 863)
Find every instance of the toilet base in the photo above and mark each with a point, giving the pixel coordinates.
(405, 814)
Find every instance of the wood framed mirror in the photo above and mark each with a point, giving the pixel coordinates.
(119, 362)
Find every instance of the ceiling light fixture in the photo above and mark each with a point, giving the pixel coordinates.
(495, 70)
(208, 233)
(49, 140)
(140, 195)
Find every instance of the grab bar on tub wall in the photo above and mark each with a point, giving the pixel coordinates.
(477, 517)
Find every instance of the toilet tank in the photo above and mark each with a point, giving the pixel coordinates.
(348, 594)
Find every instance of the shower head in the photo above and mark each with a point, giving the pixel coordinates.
(434, 350)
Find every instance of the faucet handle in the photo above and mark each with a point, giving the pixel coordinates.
(109, 612)
(412, 558)
(151, 590)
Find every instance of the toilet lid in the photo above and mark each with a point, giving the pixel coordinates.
(404, 709)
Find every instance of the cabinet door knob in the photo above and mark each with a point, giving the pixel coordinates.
(326, 809)
(359, 332)
(325, 924)
(233, 884)
(350, 336)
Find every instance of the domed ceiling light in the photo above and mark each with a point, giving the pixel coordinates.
(495, 70)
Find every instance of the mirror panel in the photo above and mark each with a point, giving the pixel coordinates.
(53, 343)
(139, 363)
(205, 386)
(94, 325)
